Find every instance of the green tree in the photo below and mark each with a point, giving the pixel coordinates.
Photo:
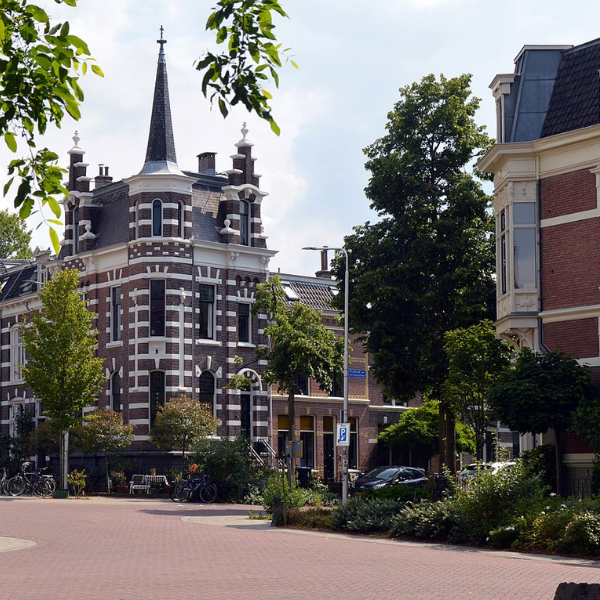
(418, 431)
(40, 66)
(476, 357)
(41, 62)
(541, 392)
(14, 236)
(299, 344)
(104, 431)
(426, 266)
(20, 447)
(60, 345)
(252, 56)
(181, 423)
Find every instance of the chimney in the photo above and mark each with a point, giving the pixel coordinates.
(325, 273)
(206, 163)
(102, 178)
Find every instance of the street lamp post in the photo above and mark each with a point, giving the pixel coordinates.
(345, 404)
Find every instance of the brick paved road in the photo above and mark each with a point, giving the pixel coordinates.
(155, 549)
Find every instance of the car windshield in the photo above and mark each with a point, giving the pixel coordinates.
(385, 473)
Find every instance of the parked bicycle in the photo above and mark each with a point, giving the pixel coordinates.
(36, 483)
(202, 487)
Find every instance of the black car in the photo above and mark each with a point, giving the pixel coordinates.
(391, 475)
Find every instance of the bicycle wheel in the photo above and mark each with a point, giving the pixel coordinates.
(50, 481)
(208, 493)
(16, 486)
(42, 488)
(181, 491)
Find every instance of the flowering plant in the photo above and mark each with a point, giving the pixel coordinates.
(119, 478)
(193, 468)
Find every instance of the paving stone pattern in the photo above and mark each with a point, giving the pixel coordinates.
(155, 549)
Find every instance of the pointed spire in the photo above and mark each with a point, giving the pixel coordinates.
(160, 154)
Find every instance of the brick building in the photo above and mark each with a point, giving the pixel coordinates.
(546, 166)
(169, 261)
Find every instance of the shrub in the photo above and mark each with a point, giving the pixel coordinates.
(368, 515)
(541, 463)
(507, 536)
(76, 480)
(228, 464)
(582, 534)
(277, 485)
(426, 520)
(400, 493)
(311, 518)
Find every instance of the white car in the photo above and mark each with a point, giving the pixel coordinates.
(470, 471)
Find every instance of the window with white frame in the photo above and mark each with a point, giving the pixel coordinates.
(244, 323)
(115, 313)
(17, 355)
(206, 389)
(157, 307)
(206, 311)
(524, 238)
(157, 218)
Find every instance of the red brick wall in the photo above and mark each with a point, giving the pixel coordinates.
(570, 264)
(579, 338)
(567, 193)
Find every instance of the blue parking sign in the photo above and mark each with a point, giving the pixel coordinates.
(343, 434)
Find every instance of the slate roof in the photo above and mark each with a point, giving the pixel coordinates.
(312, 292)
(18, 281)
(575, 101)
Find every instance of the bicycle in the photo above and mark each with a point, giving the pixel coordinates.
(185, 489)
(35, 483)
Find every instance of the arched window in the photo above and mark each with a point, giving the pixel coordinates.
(244, 223)
(76, 230)
(115, 391)
(206, 389)
(157, 220)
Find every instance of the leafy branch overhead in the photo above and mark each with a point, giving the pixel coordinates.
(40, 66)
(252, 56)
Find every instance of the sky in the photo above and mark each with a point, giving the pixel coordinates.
(353, 57)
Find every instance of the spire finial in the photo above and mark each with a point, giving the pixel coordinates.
(162, 41)
(244, 132)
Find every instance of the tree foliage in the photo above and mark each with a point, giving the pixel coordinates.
(476, 358)
(14, 236)
(60, 344)
(103, 431)
(252, 56)
(426, 267)
(540, 392)
(181, 423)
(418, 430)
(40, 65)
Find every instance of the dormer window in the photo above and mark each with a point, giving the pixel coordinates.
(157, 219)
(244, 223)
